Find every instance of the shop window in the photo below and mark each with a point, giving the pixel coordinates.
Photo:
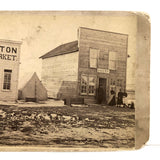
(83, 84)
(112, 82)
(112, 60)
(7, 79)
(93, 55)
(92, 83)
(119, 82)
(88, 84)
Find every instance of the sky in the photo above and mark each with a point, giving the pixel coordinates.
(42, 32)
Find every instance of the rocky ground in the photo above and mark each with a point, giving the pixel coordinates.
(78, 126)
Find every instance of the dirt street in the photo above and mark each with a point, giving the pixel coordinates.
(78, 126)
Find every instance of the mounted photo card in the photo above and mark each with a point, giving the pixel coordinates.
(74, 80)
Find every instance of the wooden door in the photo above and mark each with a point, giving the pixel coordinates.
(102, 90)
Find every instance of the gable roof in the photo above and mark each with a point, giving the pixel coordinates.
(62, 49)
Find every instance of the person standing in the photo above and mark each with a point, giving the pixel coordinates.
(113, 100)
(120, 98)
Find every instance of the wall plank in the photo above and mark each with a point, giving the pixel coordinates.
(60, 75)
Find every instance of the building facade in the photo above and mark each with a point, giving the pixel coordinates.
(88, 68)
(9, 69)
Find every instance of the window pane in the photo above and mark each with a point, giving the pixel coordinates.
(93, 57)
(94, 53)
(7, 79)
(93, 63)
(83, 89)
(91, 89)
(112, 65)
(112, 60)
(112, 56)
(84, 80)
(119, 82)
(88, 84)
(92, 84)
(83, 84)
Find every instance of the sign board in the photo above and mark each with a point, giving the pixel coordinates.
(100, 70)
(8, 51)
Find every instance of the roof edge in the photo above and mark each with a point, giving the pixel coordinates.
(11, 41)
(103, 31)
(59, 54)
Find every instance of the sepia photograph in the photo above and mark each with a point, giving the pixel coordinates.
(68, 80)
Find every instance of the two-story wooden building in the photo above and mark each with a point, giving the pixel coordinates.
(9, 69)
(88, 68)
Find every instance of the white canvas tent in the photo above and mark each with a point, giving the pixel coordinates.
(30, 87)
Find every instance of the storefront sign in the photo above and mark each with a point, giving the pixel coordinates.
(8, 53)
(102, 70)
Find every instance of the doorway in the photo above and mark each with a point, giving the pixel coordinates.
(102, 90)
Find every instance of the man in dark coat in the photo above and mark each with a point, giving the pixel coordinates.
(120, 98)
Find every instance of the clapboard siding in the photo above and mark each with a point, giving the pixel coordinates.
(60, 75)
(89, 100)
(99, 35)
(104, 42)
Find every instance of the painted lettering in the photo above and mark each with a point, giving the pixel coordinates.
(2, 47)
(4, 57)
(14, 50)
(14, 56)
(8, 57)
(8, 49)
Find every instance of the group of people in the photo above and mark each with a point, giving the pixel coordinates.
(119, 101)
(113, 100)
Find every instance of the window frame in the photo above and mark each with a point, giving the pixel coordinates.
(98, 51)
(112, 61)
(112, 81)
(4, 84)
(82, 93)
(87, 86)
(119, 82)
(94, 91)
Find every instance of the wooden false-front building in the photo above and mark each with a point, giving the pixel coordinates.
(82, 69)
(9, 69)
